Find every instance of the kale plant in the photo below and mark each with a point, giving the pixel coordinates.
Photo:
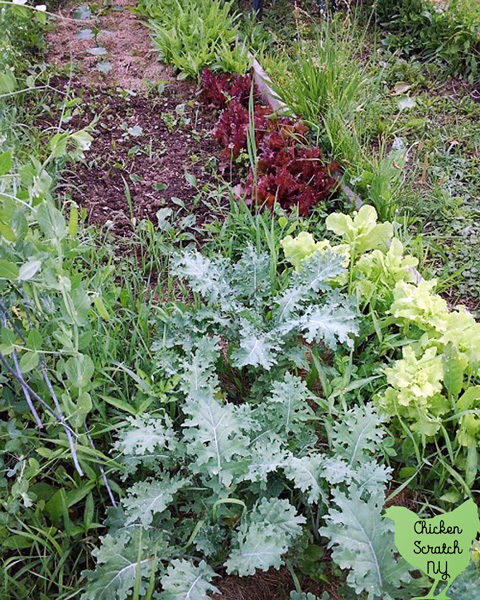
(235, 470)
(263, 323)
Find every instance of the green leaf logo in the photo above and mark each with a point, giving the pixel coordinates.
(440, 547)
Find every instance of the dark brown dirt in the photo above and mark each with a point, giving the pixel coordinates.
(146, 148)
(407, 498)
(269, 585)
(151, 149)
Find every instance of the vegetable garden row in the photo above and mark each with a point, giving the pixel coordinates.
(188, 408)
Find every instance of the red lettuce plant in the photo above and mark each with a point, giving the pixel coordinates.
(231, 130)
(288, 171)
(232, 127)
(289, 174)
(218, 89)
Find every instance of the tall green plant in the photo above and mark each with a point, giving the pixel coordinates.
(239, 430)
(335, 93)
(448, 34)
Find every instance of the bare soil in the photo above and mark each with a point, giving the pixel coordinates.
(152, 146)
(145, 155)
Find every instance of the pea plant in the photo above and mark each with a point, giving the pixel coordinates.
(45, 305)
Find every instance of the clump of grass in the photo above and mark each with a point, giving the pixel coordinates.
(336, 91)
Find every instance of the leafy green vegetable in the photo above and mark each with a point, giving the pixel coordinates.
(191, 34)
(264, 536)
(377, 273)
(357, 434)
(120, 560)
(361, 233)
(147, 498)
(417, 304)
(242, 302)
(215, 435)
(363, 542)
(185, 581)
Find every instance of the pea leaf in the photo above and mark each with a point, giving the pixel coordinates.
(28, 361)
(8, 270)
(51, 221)
(5, 163)
(29, 269)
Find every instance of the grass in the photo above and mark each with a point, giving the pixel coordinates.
(442, 189)
(321, 78)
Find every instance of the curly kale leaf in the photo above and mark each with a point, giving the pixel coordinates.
(251, 275)
(264, 536)
(336, 471)
(145, 499)
(198, 371)
(215, 436)
(185, 581)
(210, 278)
(363, 542)
(145, 434)
(316, 272)
(266, 455)
(121, 559)
(370, 476)
(307, 473)
(357, 434)
(332, 323)
(210, 539)
(286, 410)
(257, 348)
(148, 441)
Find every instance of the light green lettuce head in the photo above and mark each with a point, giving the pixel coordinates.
(377, 273)
(418, 304)
(301, 247)
(461, 329)
(415, 391)
(361, 233)
(414, 378)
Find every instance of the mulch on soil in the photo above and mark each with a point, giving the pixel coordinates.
(151, 149)
(132, 60)
(269, 585)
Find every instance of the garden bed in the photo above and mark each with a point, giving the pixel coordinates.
(220, 377)
(146, 154)
(152, 145)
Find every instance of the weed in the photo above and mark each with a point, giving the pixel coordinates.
(422, 28)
